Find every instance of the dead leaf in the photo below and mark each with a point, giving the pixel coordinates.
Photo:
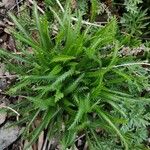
(26, 144)
(74, 4)
(11, 44)
(40, 140)
(4, 37)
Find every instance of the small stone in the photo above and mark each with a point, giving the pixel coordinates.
(3, 115)
(1, 40)
(2, 24)
(1, 4)
(8, 135)
(9, 3)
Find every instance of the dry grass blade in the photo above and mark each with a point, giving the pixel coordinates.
(40, 9)
(75, 19)
(132, 64)
(40, 140)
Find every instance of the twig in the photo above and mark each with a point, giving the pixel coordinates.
(7, 107)
(131, 64)
(86, 22)
(80, 137)
(124, 65)
(59, 4)
(45, 143)
(119, 4)
(75, 19)
(125, 33)
(40, 9)
(17, 3)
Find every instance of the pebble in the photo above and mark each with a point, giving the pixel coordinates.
(3, 115)
(8, 135)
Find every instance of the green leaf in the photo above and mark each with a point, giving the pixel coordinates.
(20, 27)
(59, 95)
(43, 28)
(43, 104)
(105, 117)
(74, 85)
(62, 58)
(13, 56)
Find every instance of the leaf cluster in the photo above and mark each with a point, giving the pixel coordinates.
(76, 87)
